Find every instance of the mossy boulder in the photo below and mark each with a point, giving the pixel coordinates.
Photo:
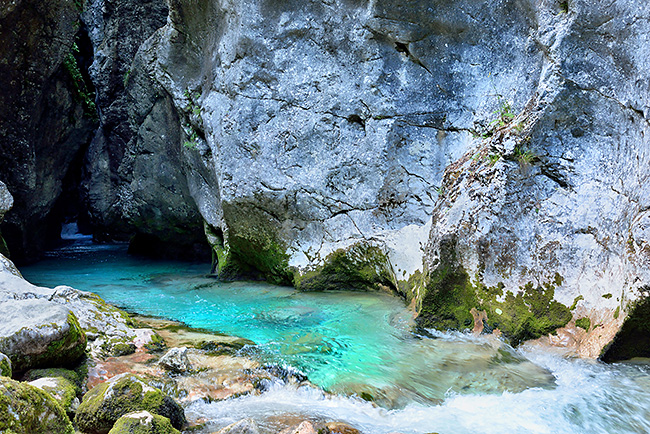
(360, 266)
(5, 365)
(116, 346)
(63, 390)
(72, 376)
(106, 403)
(25, 409)
(143, 422)
(36, 333)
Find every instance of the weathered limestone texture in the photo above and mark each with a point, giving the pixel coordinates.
(318, 140)
(134, 181)
(46, 116)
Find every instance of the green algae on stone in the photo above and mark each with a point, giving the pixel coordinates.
(450, 295)
(5, 365)
(103, 405)
(72, 376)
(360, 266)
(25, 409)
(63, 390)
(583, 323)
(143, 423)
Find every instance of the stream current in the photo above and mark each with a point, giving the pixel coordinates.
(358, 344)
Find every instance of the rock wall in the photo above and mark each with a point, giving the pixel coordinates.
(46, 116)
(134, 183)
(557, 199)
(317, 141)
(491, 156)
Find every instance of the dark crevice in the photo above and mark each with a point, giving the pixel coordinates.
(633, 340)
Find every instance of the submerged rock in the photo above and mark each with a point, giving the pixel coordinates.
(37, 333)
(244, 426)
(143, 422)
(25, 409)
(103, 405)
(304, 427)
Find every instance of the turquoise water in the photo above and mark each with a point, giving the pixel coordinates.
(363, 344)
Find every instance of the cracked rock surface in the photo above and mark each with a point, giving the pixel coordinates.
(517, 129)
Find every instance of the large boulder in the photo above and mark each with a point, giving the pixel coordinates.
(104, 325)
(25, 409)
(37, 333)
(143, 422)
(103, 405)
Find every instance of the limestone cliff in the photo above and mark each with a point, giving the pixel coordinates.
(47, 115)
(486, 155)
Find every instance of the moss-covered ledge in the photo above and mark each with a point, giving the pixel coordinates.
(359, 267)
(449, 295)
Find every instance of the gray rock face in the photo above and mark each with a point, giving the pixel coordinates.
(36, 333)
(134, 183)
(569, 192)
(510, 138)
(45, 116)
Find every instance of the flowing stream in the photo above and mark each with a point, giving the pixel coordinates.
(358, 344)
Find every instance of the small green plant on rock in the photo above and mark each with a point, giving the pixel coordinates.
(81, 89)
(504, 113)
(192, 141)
(493, 158)
(524, 156)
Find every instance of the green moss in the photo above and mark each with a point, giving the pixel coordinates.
(5, 366)
(71, 376)
(62, 352)
(527, 314)
(607, 296)
(64, 391)
(360, 266)
(25, 409)
(157, 343)
(584, 323)
(99, 410)
(253, 258)
(575, 302)
(617, 312)
(118, 346)
(158, 425)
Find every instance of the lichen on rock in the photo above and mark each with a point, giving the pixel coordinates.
(25, 409)
(143, 422)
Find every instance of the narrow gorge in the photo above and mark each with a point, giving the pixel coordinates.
(412, 181)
